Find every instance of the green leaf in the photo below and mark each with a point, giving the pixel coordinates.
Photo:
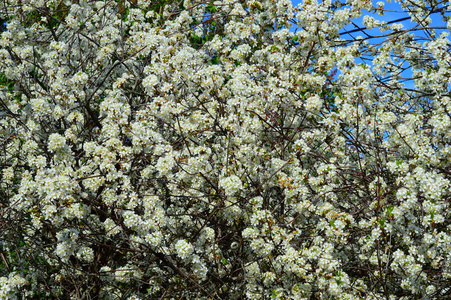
(390, 210)
(211, 8)
(215, 60)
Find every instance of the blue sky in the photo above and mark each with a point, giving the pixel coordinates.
(393, 12)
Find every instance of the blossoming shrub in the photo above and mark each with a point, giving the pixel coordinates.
(186, 149)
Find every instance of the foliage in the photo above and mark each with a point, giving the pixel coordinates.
(188, 149)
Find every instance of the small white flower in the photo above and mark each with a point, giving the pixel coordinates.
(183, 249)
(231, 184)
(314, 103)
(56, 142)
(86, 254)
